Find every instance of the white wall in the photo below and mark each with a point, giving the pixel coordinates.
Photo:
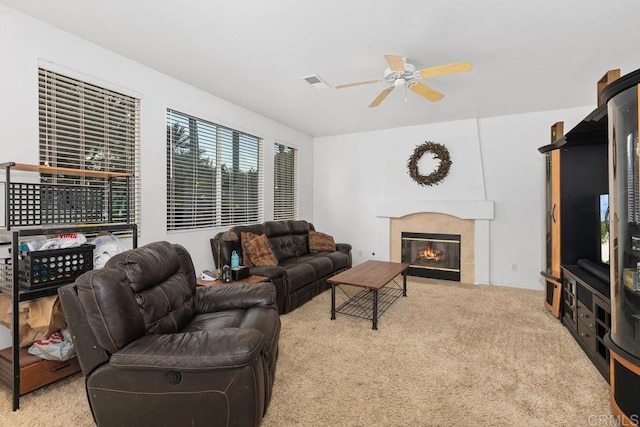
(514, 176)
(25, 43)
(494, 159)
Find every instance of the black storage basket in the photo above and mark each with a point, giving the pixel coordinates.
(54, 267)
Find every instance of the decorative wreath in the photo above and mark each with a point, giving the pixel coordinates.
(439, 152)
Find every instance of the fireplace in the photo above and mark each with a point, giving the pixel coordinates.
(431, 255)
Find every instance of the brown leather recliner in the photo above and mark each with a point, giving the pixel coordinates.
(156, 350)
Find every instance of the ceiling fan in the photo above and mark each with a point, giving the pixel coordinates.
(402, 73)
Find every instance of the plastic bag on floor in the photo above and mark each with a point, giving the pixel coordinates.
(58, 346)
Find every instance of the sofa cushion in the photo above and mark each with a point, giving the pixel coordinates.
(322, 265)
(339, 259)
(320, 242)
(300, 243)
(110, 306)
(163, 290)
(245, 237)
(300, 236)
(168, 307)
(145, 267)
(121, 304)
(300, 274)
(215, 320)
(260, 252)
(299, 226)
(283, 247)
(280, 239)
(276, 228)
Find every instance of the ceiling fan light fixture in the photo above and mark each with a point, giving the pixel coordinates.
(399, 81)
(408, 73)
(409, 68)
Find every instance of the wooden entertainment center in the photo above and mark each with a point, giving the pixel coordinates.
(593, 199)
(577, 289)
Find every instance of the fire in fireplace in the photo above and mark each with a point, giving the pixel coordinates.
(432, 255)
(429, 253)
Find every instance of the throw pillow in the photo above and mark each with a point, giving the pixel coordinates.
(245, 237)
(260, 252)
(320, 242)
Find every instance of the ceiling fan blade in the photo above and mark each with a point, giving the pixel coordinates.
(424, 90)
(396, 63)
(364, 82)
(381, 96)
(441, 70)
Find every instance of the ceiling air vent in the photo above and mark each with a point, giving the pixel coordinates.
(317, 82)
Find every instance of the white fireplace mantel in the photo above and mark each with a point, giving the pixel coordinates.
(463, 209)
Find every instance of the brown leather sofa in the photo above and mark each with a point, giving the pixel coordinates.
(157, 350)
(299, 275)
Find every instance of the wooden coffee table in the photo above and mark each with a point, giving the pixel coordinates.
(374, 299)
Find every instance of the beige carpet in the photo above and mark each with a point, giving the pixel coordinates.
(448, 354)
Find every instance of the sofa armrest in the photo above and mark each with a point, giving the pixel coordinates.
(210, 299)
(274, 272)
(201, 350)
(343, 247)
(280, 279)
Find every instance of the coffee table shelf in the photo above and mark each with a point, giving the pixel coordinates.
(361, 304)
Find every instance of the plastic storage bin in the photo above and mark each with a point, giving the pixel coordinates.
(54, 266)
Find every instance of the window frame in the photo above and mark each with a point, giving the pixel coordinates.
(285, 200)
(84, 124)
(236, 196)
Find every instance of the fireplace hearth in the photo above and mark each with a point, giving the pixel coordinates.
(431, 255)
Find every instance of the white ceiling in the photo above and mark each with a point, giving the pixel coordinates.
(528, 55)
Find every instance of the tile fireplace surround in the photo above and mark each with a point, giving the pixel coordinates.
(470, 219)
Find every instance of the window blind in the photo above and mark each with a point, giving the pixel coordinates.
(285, 182)
(84, 126)
(214, 174)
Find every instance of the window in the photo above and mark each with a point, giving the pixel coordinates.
(214, 174)
(285, 182)
(83, 126)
